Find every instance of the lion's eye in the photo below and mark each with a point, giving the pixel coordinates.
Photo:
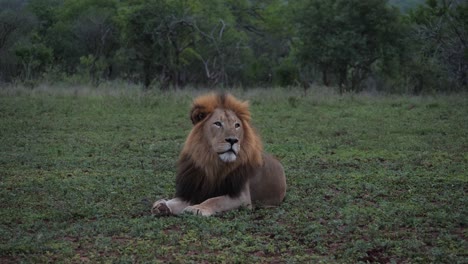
(218, 124)
(237, 125)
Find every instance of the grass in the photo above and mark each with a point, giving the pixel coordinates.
(370, 178)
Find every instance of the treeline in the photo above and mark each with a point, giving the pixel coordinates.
(349, 44)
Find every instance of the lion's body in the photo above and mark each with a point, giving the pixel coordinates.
(222, 165)
(268, 185)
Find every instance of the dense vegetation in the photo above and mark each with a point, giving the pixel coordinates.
(349, 44)
(379, 180)
(406, 5)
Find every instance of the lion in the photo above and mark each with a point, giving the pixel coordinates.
(222, 165)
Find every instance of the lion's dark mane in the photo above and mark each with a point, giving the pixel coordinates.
(193, 186)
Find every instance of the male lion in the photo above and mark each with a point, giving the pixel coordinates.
(222, 165)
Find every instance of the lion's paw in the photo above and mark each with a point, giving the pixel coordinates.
(160, 208)
(198, 210)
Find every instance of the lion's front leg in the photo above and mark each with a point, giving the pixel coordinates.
(172, 207)
(220, 204)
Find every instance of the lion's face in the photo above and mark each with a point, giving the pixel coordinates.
(224, 132)
(221, 133)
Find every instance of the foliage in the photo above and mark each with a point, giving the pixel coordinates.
(370, 179)
(33, 58)
(441, 30)
(168, 43)
(15, 24)
(346, 38)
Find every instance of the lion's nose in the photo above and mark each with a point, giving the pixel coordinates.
(232, 140)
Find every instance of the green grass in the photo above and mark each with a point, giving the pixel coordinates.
(370, 179)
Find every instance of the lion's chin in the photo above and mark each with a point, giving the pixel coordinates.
(228, 156)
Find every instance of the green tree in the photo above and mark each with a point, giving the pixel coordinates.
(345, 38)
(440, 46)
(158, 33)
(97, 33)
(15, 25)
(34, 57)
(220, 45)
(270, 35)
(91, 36)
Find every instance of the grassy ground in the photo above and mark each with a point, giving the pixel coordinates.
(371, 179)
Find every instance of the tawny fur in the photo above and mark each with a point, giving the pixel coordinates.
(205, 184)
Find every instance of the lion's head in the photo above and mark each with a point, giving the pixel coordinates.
(222, 135)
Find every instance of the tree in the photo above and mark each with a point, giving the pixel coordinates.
(34, 58)
(268, 35)
(98, 35)
(158, 32)
(15, 23)
(345, 38)
(440, 34)
(87, 36)
(219, 45)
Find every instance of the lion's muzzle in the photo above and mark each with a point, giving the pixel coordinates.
(231, 150)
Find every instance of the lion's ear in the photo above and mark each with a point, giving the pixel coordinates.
(197, 114)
